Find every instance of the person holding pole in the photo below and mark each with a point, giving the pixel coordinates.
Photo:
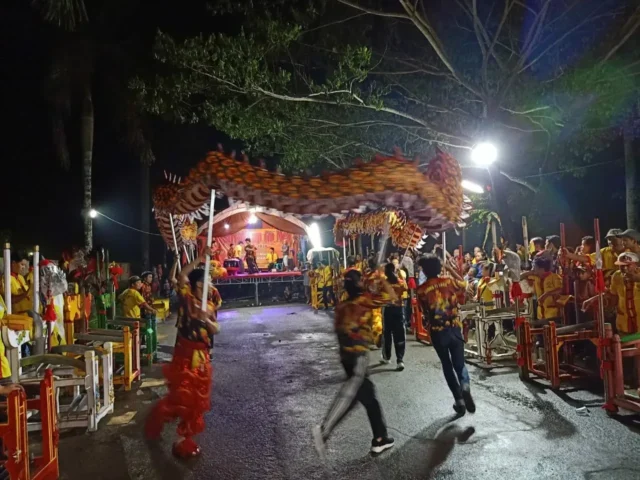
(189, 373)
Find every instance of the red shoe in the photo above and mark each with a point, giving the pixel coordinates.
(186, 448)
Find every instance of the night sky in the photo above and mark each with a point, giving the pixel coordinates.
(43, 201)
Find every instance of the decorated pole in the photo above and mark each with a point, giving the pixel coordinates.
(207, 265)
(444, 248)
(36, 280)
(564, 262)
(175, 241)
(7, 276)
(186, 253)
(494, 240)
(344, 251)
(600, 288)
(525, 240)
(382, 244)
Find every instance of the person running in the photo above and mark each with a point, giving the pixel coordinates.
(189, 374)
(438, 297)
(393, 324)
(352, 325)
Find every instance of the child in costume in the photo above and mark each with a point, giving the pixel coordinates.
(352, 325)
(189, 373)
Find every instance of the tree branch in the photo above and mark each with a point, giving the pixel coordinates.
(372, 11)
(520, 181)
(632, 25)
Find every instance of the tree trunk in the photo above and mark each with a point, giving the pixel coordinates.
(87, 160)
(145, 212)
(630, 176)
(500, 205)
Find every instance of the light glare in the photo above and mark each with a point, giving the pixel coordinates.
(472, 187)
(484, 154)
(93, 213)
(314, 235)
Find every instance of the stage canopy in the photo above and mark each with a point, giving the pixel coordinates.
(238, 216)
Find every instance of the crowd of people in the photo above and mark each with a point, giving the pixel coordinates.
(546, 268)
(368, 287)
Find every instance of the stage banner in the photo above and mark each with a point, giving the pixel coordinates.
(263, 239)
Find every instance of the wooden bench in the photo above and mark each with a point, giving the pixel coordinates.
(149, 333)
(126, 350)
(77, 368)
(19, 463)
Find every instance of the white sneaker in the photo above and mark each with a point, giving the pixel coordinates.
(384, 361)
(318, 442)
(400, 366)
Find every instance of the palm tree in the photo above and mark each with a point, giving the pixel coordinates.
(84, 45)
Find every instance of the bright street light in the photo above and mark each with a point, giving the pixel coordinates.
(472, 187)
(93, 213)
(484, 154)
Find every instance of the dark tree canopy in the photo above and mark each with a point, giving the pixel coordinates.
(318, 84)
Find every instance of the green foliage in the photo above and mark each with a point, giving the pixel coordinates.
(319, 87)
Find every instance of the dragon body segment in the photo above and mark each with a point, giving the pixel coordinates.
(431, 199)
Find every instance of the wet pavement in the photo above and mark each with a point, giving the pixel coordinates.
(276, 370)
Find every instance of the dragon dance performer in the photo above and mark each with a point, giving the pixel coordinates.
(373, 281)
(393, 325)
(352, 325)
(351, 265)
(438, 297)
(189, 373)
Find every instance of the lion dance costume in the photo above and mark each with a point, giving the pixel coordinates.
(188, 379)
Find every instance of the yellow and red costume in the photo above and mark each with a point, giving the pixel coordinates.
(188, 377)
(628, 303)
(373, 285)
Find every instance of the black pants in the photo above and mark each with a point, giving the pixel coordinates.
(357, 388)
(407, 312)
(393, 329)
(328, 296)
(449, 345)
(251, 265)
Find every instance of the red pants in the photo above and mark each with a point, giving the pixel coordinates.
(188, 379)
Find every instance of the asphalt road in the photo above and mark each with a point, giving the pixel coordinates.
(276, 370)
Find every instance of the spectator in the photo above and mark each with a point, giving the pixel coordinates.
(272, 258)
